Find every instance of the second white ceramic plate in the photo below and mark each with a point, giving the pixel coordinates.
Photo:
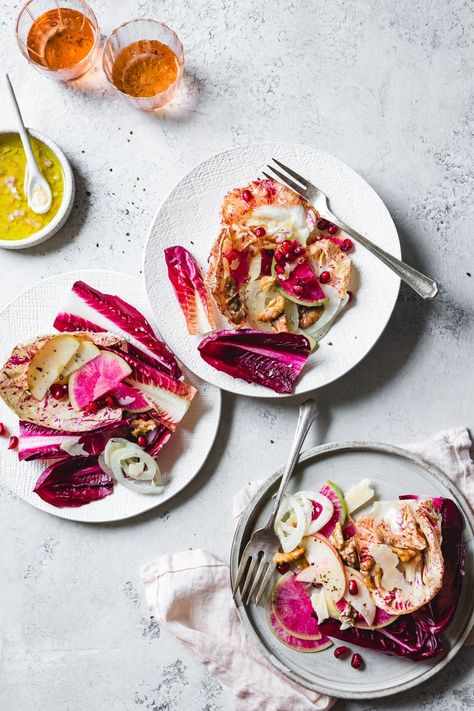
(190, 217)
(31, 314)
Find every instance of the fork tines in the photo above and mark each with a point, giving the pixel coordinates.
(299, 187)
(259, 571)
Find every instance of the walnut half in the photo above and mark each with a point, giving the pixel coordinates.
(140, 426)
(288, 557)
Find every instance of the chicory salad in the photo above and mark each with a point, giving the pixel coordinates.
(388, 579)
(98, 405)
(278, 273)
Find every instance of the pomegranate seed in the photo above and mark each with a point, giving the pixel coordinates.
(58, 391)
(346, 246)
(298, 289)
(297, 251)
(350, 295)
(316, 510)
(323, 224)
(279, 268)
(353, 589)
(247, 195)
(332, 229)
(341, 652)
(286, 247)
(110, 401)
(283, 568)
(356, 661)
(13, 442)
(260, 232)
(3, 429)
(142, 441)
(278, 256)
(91, 408)
(324, 277)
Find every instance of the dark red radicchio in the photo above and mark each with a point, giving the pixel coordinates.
(73, 482)
(438, 613)
(37, 442)
(403, 638)
(190, 289)
(274, 360)
(416, 636)
(91, 309)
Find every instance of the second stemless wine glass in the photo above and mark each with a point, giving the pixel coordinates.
(60, 38)
(143, 60)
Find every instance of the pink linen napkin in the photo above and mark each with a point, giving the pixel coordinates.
(190, 592)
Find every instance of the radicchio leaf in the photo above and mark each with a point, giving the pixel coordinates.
(169, 397)
(55, 414)
(73, 482)
(158, 439)
(404, 638)
(438, 613)
(37, 442)
(274, 360)
(106, 311)
(415, 636)
(190, 289)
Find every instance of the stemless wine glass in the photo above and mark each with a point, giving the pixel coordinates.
(32, 12)
(133, 32)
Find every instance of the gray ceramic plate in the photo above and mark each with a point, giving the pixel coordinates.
(392, 471)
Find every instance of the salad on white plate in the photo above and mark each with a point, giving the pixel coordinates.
(279, 276)
(99, 406)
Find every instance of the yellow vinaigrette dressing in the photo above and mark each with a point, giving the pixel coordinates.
(17, 221)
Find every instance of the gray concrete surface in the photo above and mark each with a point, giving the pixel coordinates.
(387, 87)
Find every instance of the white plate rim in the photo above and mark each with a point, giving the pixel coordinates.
(313, 454)
(58, 512)
(248, 387)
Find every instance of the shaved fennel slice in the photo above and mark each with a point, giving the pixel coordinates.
(256, 300)
(130, 466)
(325, 513)
(292, 319)
(331, 312)
(290, 523)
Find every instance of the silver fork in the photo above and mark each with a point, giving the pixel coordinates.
(256, 564)
(424, 286)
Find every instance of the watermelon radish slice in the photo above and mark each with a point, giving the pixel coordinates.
(129, 398)
(295, 643)
(333, 492)
(301, 285)
(293, 610)
(96, 378)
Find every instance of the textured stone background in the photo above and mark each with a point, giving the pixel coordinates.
(387, 88)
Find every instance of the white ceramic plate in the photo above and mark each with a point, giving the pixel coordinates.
(392, 471)
(32, 313)
(189, 217)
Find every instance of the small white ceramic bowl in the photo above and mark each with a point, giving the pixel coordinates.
(64, 209)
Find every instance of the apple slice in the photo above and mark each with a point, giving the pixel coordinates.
(47, 364)
(325, 566)
(363, 601)
(86, 352)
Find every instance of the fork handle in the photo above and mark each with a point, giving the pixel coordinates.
(307, 414)
(424, 286)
